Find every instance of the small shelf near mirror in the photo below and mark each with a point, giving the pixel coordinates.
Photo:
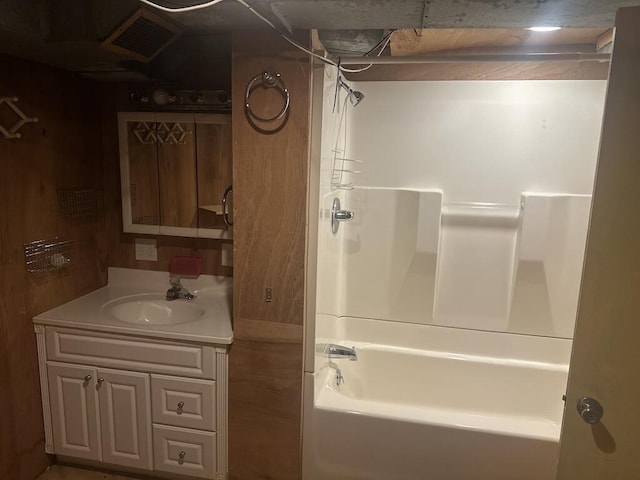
(174, 170)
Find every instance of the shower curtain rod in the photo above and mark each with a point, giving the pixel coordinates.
(472, 58)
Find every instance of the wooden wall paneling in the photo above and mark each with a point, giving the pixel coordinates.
(270, 181)
(270, 198)
(177, 180)
(143, 173)
(265, 410)
(214, 158)
(121, 246)
(61, 151)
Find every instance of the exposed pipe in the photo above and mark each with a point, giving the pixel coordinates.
(473, 58)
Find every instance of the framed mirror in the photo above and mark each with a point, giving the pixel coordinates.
(175, 169)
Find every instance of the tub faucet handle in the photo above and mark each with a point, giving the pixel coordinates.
(338, 215)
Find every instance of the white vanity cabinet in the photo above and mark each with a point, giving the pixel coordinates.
(132, 402)
(101, 414)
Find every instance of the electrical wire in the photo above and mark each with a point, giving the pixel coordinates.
(382, 40)
(386, 41)
(293, 42)
(189, 8)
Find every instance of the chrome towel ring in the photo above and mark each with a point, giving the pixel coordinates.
(267, 80)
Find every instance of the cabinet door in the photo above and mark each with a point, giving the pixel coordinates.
(125, 418)
(73, 398)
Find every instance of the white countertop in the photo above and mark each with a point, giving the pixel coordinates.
(213, 294)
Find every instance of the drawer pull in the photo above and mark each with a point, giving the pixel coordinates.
(179, 409)
(181, 458)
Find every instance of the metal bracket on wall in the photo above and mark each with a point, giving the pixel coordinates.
(426, 9)
(12, 132)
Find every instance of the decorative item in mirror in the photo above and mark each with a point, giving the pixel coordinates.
(172, 133)
(145, 132)
(162, 132)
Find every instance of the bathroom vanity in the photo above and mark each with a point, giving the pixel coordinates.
(133, 382)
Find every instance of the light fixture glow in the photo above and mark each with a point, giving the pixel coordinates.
(544, 29)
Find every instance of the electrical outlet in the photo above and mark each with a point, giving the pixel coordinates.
(268, 295)
(146, 249)
(226, 257)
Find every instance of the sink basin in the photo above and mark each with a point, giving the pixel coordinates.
(152, 309)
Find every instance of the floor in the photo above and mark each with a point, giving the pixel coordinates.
(59, 472)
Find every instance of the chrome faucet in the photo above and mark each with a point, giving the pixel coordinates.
(338, 351)
(177, 290)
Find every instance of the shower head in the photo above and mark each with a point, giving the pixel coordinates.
(355, 96)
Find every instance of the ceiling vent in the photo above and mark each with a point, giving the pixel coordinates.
(143, 36)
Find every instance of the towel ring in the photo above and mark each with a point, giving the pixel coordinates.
(267, 80)
(225, 206)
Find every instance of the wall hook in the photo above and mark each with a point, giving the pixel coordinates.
(12, 132)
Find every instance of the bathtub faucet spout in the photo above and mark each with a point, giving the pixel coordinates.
(338, 351)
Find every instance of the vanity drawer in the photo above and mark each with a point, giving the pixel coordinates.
(130, 353)
(182, 451)
(183, 402)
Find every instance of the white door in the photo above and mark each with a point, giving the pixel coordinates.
(125, 418)
(74, 414)
(606, 353)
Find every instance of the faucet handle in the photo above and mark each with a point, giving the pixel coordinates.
(174, 281)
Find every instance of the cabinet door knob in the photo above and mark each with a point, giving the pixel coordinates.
(181, 458)
(87, 379)
(100, 380)
(179, 409)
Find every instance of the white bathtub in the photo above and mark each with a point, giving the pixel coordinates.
(424, 402)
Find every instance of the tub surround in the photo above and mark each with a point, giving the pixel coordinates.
(134, 396)
(410, 257)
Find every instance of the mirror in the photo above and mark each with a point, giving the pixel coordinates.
(175, 169)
